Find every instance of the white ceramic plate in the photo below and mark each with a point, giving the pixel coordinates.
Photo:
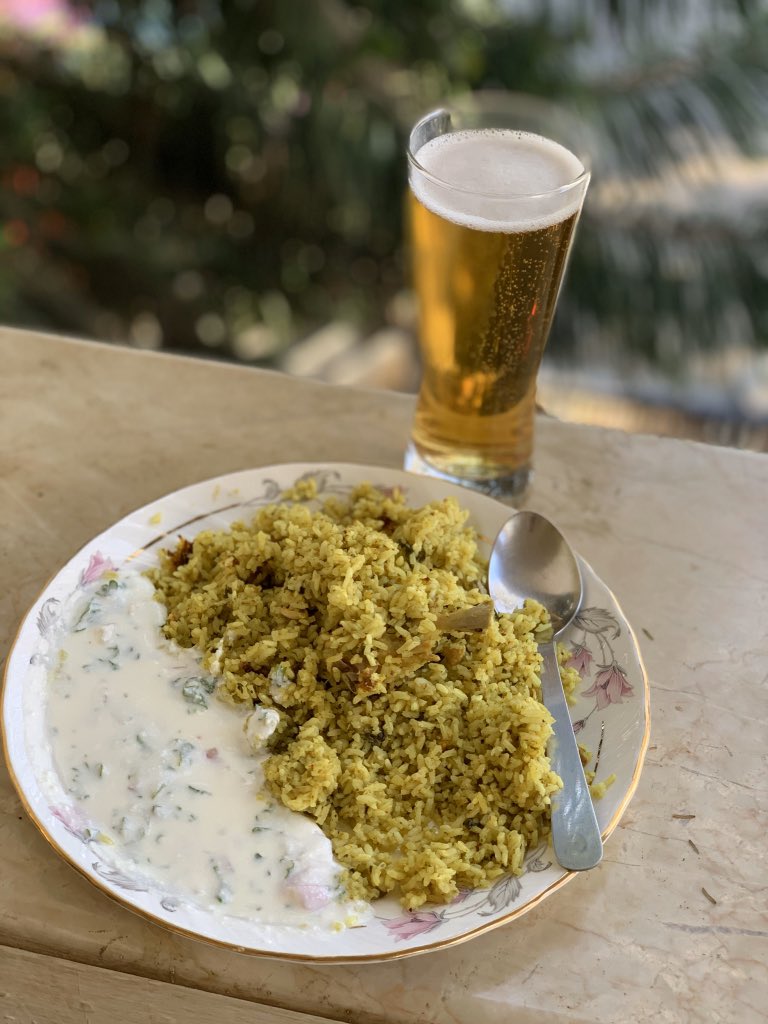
(611, 717)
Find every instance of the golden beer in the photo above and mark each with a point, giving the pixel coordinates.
(487, 270)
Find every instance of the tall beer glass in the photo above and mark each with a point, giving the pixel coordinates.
(496, 189)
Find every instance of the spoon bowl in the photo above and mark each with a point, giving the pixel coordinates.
(532, 559)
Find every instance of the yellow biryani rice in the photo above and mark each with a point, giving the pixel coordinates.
(417, 744)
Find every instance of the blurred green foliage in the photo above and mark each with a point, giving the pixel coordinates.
(226, 175)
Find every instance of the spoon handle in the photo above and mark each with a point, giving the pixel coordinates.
(575, 832)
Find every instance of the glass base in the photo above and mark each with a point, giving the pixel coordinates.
(508, 487)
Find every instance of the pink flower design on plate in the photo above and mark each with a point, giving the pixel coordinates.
(97, 566)
(610, 686)
(72, 820)
(581, 659)
(413, 924)
(461, 895)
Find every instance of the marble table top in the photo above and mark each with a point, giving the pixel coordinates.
(672, 926)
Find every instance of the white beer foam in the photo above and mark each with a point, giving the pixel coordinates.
(492, 180)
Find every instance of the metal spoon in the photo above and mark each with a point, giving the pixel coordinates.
(531, 558)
